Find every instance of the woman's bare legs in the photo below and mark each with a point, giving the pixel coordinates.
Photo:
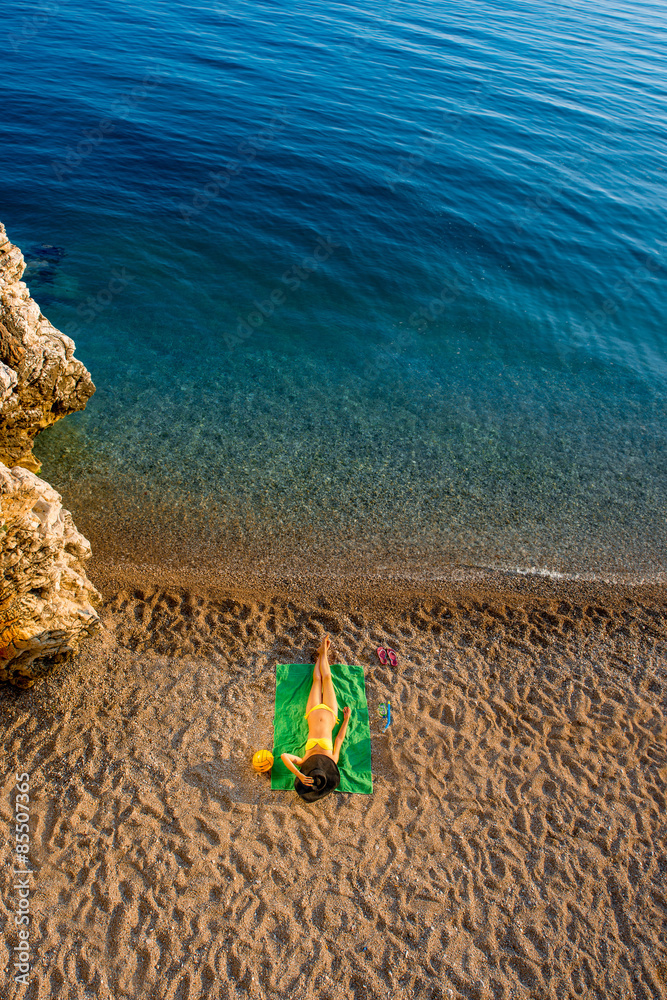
(315, 696)
(328, 693)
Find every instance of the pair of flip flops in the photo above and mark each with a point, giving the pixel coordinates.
(387, 656)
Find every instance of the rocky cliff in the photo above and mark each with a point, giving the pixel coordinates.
(45, 595)
(40, 379)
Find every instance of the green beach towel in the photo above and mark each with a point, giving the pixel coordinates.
(290, 729)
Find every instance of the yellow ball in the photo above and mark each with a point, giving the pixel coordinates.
(262, 760)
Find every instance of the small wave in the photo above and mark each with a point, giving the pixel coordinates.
(625, 579)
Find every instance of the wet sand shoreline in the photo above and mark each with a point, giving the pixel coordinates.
(132, 521)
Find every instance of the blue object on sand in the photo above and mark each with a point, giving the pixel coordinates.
(384, 711)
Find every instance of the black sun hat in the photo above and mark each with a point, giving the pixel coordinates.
(325, 774)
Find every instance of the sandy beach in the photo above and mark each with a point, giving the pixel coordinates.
(514, 845)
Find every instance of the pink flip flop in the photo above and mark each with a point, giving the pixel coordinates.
(382, 655)
(392, 657)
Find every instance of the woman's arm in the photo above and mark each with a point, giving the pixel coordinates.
(289, 760)
(347, 712)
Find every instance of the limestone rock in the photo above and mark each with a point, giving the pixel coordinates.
(40, 379)
(45, 596)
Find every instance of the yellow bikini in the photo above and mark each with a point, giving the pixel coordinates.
(323, 742)
(315, 707)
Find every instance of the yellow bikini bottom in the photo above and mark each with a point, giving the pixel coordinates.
(322, 742)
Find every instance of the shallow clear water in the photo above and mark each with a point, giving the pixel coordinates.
(470, 362)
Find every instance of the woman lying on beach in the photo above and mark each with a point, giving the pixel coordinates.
(319, 772)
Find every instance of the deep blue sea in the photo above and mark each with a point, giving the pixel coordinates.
(386, 279)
